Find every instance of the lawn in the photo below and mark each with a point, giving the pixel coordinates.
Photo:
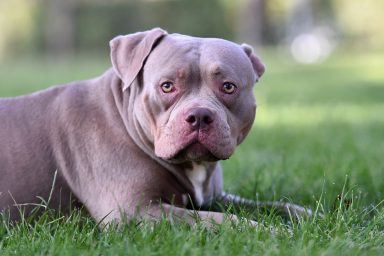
(318, 140)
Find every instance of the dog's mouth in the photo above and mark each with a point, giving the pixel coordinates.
(195, 146)
(195, 151)
(198, 152)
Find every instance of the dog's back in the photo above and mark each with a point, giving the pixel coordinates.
(27, 163)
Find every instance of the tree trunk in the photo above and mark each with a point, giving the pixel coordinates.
(251, 22)
(59, 30)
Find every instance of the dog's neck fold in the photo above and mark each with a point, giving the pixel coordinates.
(125, 101)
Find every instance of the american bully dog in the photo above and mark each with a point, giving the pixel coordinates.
(143, 140)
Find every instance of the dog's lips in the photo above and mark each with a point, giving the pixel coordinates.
(195, 150)
(179, 143)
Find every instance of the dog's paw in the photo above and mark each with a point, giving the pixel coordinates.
(294, 211)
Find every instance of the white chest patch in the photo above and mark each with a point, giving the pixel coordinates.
(197, 175)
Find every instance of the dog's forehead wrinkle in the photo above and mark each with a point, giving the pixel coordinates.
(220, 71)
(215, 68)
(182, 73)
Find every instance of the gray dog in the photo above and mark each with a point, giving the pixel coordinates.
(143, 140)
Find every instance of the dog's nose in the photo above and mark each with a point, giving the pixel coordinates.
(199, 118)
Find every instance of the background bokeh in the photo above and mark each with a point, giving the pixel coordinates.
(309, 29)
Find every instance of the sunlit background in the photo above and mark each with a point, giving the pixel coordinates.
(309, 30)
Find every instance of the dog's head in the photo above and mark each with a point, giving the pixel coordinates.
(195, 100)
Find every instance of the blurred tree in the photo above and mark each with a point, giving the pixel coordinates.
(73, 26)
(98, 22)
(361, 21)
(16, 25)
(252, 23)
(300, 18)
(59, 26)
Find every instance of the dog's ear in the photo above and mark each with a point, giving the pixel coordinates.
(128, 53)
(258, 66)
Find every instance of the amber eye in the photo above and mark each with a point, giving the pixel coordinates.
(229, 88)
(167, 87)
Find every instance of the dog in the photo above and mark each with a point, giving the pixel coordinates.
(143, 140)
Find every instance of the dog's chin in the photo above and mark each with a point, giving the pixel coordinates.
(195, 152)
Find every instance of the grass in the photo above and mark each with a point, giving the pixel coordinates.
(318, 136)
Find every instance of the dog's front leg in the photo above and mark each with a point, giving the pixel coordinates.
(286, 210)
(174, 213)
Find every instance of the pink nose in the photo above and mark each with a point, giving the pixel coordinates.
(199, 118)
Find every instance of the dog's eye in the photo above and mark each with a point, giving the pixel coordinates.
(229, 88)
(167, 87)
